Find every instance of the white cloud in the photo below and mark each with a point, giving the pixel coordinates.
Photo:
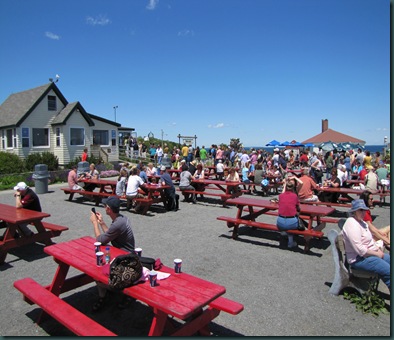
(186, 33)
(101, 20)
(152, 4)
(52, 36)
(217, 126)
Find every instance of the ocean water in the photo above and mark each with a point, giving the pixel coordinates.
(371, 148)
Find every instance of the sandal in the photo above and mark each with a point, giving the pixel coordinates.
(98, 305)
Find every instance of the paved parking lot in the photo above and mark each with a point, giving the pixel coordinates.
(285, 293)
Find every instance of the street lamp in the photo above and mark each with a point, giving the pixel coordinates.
(115, 107)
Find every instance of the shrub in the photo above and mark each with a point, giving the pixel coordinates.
(46, 157)
(10, 163)
(51, 160)
(31, 160)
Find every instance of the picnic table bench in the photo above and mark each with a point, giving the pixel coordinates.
(194, 301)
(257, 207)
(144, 202)
(223, 186)
(77, 322)
(13, 217)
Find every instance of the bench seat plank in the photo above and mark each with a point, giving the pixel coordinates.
(233, 222)
(70, 317)
(227, 305)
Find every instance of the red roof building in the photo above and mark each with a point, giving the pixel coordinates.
(329, 135)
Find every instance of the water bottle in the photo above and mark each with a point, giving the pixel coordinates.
(107, 255)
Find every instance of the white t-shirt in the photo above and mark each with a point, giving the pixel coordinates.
(133, 184)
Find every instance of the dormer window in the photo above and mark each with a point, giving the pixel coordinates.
(51, 103)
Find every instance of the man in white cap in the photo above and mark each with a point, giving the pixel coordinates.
(26, 198)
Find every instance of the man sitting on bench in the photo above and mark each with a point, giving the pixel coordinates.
(73, 179)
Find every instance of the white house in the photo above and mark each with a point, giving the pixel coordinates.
(41, 119)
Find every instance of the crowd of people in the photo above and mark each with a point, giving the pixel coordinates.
(365, 243)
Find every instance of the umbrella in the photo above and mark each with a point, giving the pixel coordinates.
(309, 145)
(273, 143)
(285, 143)
(328, 146)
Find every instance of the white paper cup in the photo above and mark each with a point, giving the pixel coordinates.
(99, 258)
(97, 246)
(138, 251)
(178, 265)
(152, 278)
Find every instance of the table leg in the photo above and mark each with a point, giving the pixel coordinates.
(42, 234)
(56, 286)
(158, 323)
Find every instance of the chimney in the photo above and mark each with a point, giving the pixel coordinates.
(324, 125)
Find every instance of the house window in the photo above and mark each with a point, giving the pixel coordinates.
(51, 103)
(40, 137)
(113, 137)
(25, 138)
(10, 138)
(100, 137)
(57, 137)
(77, 136)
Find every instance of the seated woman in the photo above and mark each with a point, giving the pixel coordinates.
(382, 235)
(199, 174)
(334, 182)
(91, 174)
(121, 183)
(233, 177)
(289, 207)
(185, 183)
(361, 251)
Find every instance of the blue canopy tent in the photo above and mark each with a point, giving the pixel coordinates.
(309, 145)
(285, 143)
(273, 143)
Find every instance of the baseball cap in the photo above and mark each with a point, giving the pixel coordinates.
(112, 201)
(21, 186)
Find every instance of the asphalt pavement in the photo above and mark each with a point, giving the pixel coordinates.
(285, 293)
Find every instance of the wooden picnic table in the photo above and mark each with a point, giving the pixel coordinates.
(226, 189)
(107, 186)
(13, 216)
(155, 194)
(249, 209)
(193, 300)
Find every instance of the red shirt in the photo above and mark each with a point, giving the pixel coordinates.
(288, 203)
(304, 158)
(362, 173)
(84, 157)
(367, 216)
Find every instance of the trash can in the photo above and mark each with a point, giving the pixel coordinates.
(83, 167)
(40, 177)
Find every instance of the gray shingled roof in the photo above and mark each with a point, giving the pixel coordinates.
(18, 106)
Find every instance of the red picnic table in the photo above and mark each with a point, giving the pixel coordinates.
(13, 216)
(249, 209)
(193, 300)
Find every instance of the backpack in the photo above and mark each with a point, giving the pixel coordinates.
(124, 271)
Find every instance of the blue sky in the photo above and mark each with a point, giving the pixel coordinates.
(219, 69)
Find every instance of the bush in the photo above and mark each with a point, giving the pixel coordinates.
(47, 158)
(10, 163)
(51, 160)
